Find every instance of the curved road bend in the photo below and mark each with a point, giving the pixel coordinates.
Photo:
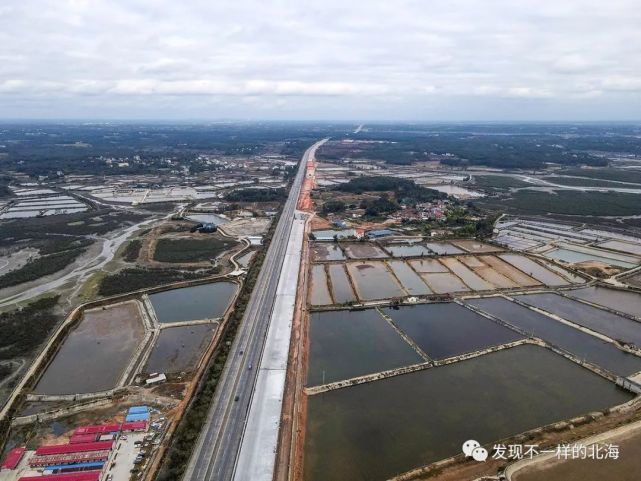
(217, 447)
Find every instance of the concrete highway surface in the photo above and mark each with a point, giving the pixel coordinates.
(216, 451)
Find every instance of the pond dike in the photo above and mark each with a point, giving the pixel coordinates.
(626, 383)
(355, 381)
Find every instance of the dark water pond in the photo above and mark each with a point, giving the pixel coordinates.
(448, 329)
(579, 343)
(376, 430)
(345, 344)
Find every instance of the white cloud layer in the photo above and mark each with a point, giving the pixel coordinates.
(402, 59)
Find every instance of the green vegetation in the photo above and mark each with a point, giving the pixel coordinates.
(405, 191)
(606, 174)
(5, 191)
(81, 149)
(333, 206)
(24, 329)
(45, 230)
(461, 146)
(191, 250)
(568, 203)
(135, 278)
(380, 206)
(498, 182)
(586, 182)
(257, 195)
(5, 371)
(132, 251)
(39, 267)
(60, 239)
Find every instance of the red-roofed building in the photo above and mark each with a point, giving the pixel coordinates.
(74, 448)
(13, 458)
(70, 458)
(88, 476)
(82, 438)
(134, 426)
(98, 429)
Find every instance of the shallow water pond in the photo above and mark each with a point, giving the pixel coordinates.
(96, 353)
(178, 349)
(206, 301)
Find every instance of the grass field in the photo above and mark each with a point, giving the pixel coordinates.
(568, 203)
(190, 250)
(586, 182)
(606, 174)
(498, 182)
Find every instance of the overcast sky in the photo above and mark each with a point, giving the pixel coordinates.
(329, 59)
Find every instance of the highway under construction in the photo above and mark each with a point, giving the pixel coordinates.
(238, 440)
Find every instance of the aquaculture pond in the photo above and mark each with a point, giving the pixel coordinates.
(572, 256)
(178, 349)
(614, 326)
(534, 270)
(325, 251)
(409, 279)
(346, 344)
(471, 245)
(319, 289)
(444, 283)
(341, 288)
(363, 250)
(96, 353)
(468, 276)
(245, 259)
(206, 301)
(442, 248)
(623, 301)
(622, 246)
(407, 250)
(508, 270)
(583, 345)
(373, 281)
(377, 430)
(443, 330)
(427, 265)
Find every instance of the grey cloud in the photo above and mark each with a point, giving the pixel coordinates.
(406, 59)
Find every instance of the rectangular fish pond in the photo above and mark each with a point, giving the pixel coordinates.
(95, 354)
(614, 326)
(346, 344)
(205, 301)
(376, 430)
(443, 330)
(178, 349)
(583, 345)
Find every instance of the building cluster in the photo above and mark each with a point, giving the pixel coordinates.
(83, 457)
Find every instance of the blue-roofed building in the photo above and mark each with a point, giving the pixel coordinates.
(138, 409)
(375, 234)
(137, 417)
(72, 468)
